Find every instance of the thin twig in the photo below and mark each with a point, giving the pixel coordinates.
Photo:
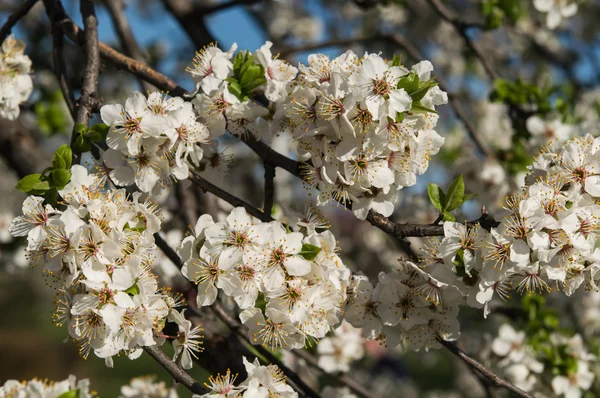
(175, 370)
(342, 378)
(239, 329)
(203, 10)
(140, 69)
(89, 87)
(461, 28)
(269, 188)
(490, 375)
(229, 198)
(125, 35)
(60, 69)
(13, 18)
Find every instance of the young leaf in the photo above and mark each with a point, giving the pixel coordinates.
(252, 73)
(468, 196)
(410, 82)
(133, 290)
(456, 191)
(416, 106)
(448, 217)
(62, 157)
(97, 132)
(423, 89)
(82, 144)
(61, 177)
(40, 186)
(70, 394)
(26, 183)
(80, 128)
(51, 195)
(235, 89)
(309, 252)
(436, 196)
(396, 61)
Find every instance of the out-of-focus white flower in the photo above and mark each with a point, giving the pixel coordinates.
(557, 10)
(15, 83)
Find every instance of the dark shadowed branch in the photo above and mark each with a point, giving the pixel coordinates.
(12, 20)
(125, 35)
(269, 187)
(60, 69)
(461, 28)
(175, 370)
(489, 374)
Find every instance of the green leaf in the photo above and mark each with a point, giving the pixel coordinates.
(61, 177)
(468, 196)
(51, 195)
(62, 157)
(97, 132)
(239, 60)
(247, 64)
(423, 89)
(416, 106)
(235, 89)
(456, 191)
(448, 217)
(82, 144)
(70, 394)
(26, 183)
(253, 84)
(436, 196)
(252, 73)
(134, 290)
(396, 61)
(410, 83)
(80, 128)
(41, 186)
(309, 252)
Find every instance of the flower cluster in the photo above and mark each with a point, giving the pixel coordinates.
(549, 236)
(299, 278)
(97, 251)
(366, 125)
(152, 141)
(70, 387)
(15, 83)
(262, 381)
(560, 362)
(225, 84)
(408, 308)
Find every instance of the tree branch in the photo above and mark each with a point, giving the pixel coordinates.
(490, 375)
(269, 188)
(89, 87)
(342, 378)
(125, 35)
(139, 69)
(229, 198)
(461, 28)
(239, 330)
(60, 69)
(175, 370)
(203, 10)
(13, 18)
